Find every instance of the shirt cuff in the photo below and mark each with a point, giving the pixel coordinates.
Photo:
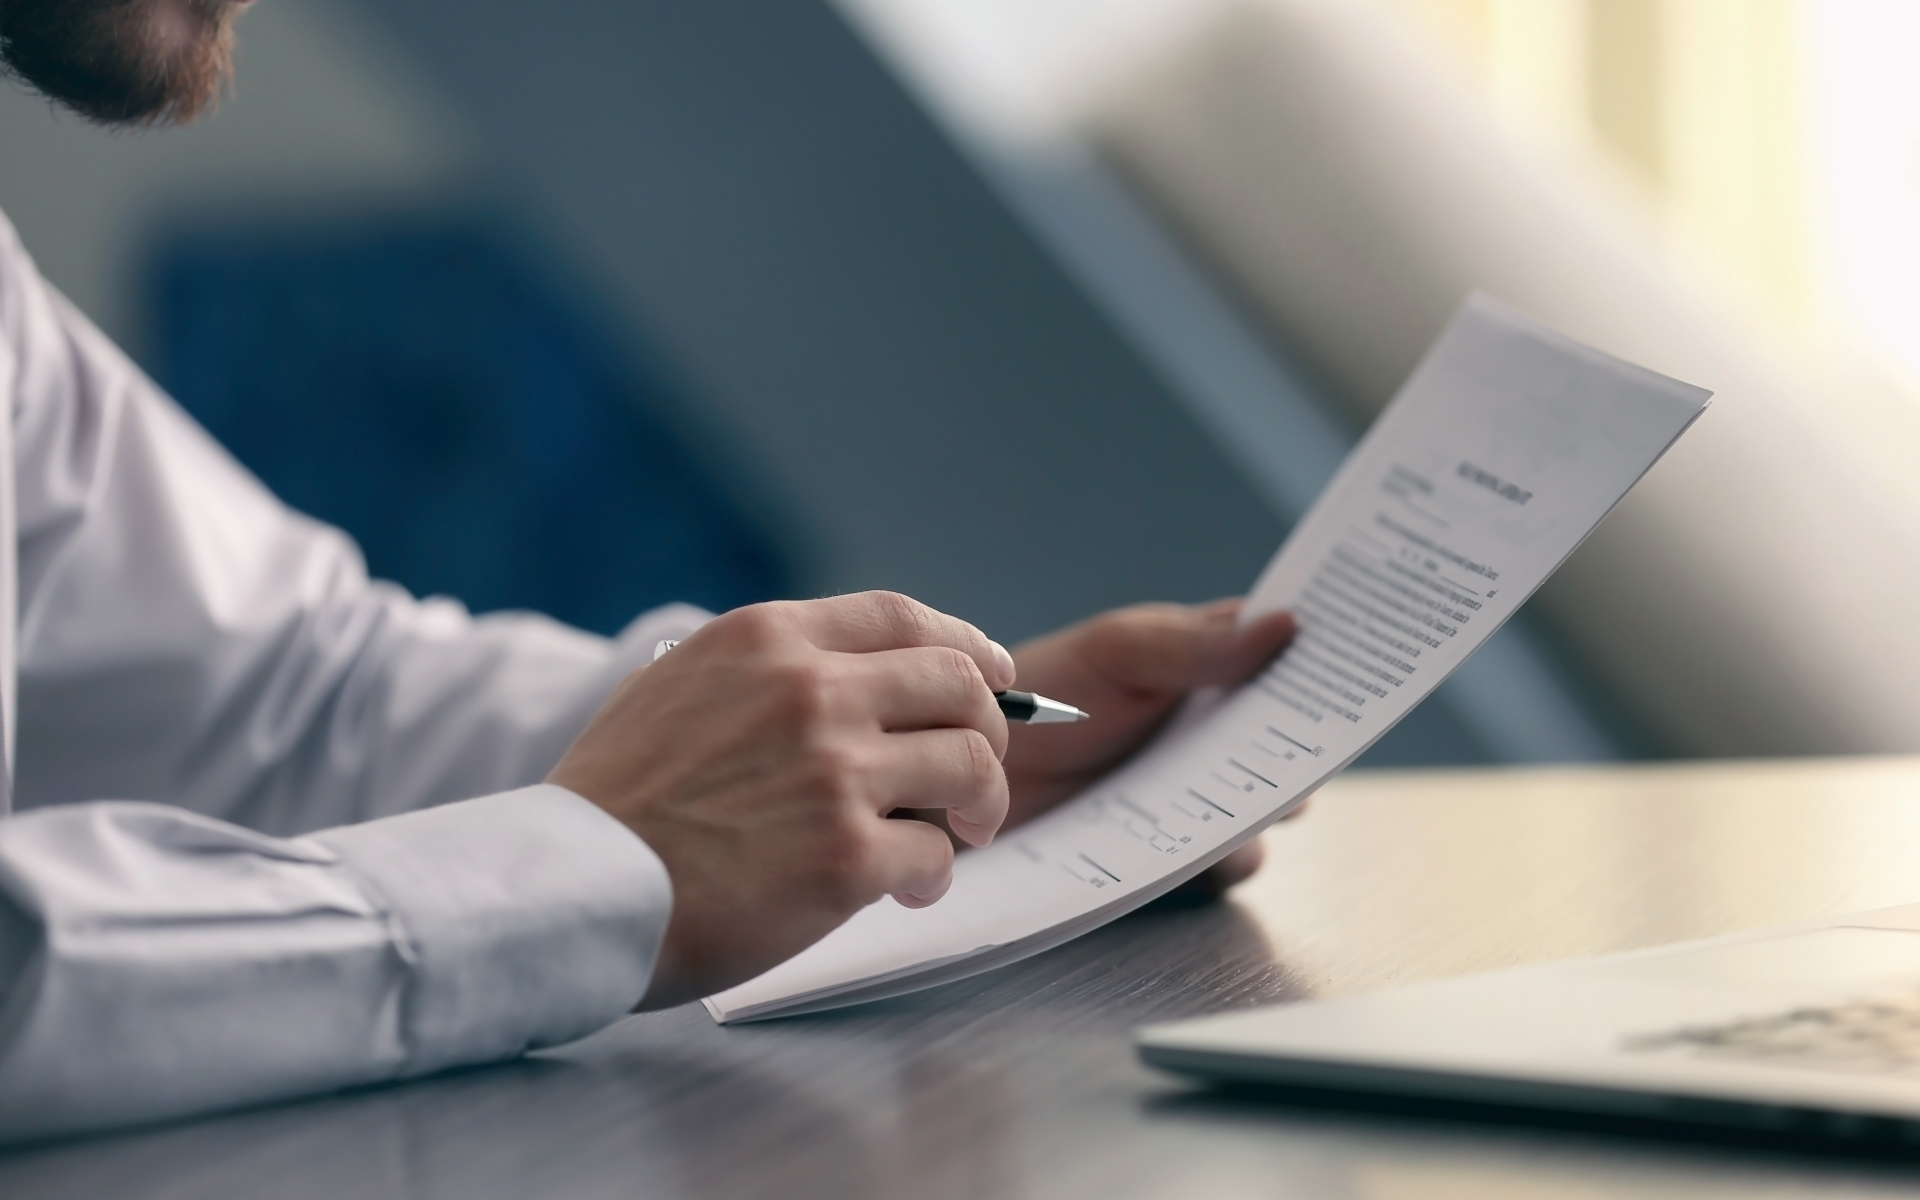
(525, 919)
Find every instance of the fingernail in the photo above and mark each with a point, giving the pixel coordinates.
(974, 833)
(1005, 662)
(925, 898)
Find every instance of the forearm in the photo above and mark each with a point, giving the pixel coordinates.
(156, 964)
(433, 711)
(185, 638)
(316, 711)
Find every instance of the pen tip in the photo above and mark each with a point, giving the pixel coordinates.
(1054, 712)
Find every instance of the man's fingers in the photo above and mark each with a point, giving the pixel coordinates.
(954, 769)
(928, 687)
(1240, 865)
(1170, 647)
(1253, 646)
(915, 862)
(869, 622)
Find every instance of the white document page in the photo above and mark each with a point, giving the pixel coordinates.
(1501, 453)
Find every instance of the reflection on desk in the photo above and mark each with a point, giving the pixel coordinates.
(1023, 1082)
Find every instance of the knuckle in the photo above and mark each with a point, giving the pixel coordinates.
(1131, 623)
(755, 625)
(956, 668)
(805, 691)
(1109, 633)
(838, 770)
(910, 620)
(849, 871)
(977, 759)
(1119, 639)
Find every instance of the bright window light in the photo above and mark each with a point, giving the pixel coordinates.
(1776, 143)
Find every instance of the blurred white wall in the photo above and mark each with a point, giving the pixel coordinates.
(1013, 80)
(1771, 145)
(1751, 595)
(1863, 174)
(1662, 193)
(1016, 71)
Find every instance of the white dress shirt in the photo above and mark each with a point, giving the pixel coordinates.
(276, 828)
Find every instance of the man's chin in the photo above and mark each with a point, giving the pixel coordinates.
(123, 62)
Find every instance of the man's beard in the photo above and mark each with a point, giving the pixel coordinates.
(122, 62)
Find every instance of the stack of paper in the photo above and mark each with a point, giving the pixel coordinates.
(1501, 453)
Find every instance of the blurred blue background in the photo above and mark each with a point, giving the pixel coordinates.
(417, 382)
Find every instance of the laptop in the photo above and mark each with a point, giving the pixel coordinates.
(1809, 1029)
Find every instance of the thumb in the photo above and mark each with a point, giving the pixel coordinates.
(1174, 648)
(1252, 646)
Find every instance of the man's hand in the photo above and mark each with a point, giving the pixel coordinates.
(1130, 668)
(761, 758)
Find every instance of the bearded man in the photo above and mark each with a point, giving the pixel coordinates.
(285, 829)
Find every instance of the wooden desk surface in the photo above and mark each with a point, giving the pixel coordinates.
(1023, 1083)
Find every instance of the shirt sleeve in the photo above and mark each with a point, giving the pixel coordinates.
(306, 896)
(159, 964)
(185, 638)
